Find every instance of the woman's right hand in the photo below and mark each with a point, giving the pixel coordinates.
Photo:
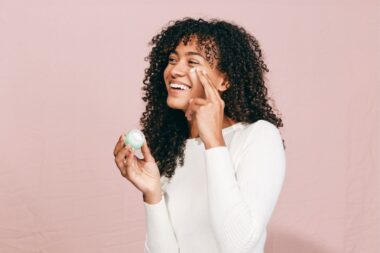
(142, 173)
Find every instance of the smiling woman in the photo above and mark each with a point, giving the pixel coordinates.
(181, 70)
(214, 160)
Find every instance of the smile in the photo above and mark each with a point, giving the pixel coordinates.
(179, 86)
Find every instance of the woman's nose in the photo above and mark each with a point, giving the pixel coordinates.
(179, 70)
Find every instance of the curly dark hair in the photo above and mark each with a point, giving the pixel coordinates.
(238, 56)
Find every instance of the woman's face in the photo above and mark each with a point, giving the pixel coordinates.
(177, 72)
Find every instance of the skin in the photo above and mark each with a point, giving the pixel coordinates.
(142, 173)
(181, 62)
(202, 105)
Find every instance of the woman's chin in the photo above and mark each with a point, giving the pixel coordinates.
(178, 105)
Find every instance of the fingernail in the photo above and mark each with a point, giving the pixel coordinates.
(193, 70)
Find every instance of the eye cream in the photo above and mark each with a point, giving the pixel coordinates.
(134, 138)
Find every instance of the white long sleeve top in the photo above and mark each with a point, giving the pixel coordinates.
(222, 198)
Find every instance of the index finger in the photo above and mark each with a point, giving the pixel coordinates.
(119, 145)
(209, 88)
(212, 85)
(194, 78)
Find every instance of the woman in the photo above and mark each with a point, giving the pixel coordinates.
(214, 160)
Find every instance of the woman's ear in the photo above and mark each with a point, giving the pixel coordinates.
(224, 85)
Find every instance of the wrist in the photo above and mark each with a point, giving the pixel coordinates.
(215, 142)
(153, 197)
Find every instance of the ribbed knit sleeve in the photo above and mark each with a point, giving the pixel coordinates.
(160, 237)
(242, 195)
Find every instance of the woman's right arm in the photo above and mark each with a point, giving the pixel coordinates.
(160, 237)
(145, 176)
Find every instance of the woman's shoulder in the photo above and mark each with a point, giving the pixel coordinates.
(259, 128)
(258, 133)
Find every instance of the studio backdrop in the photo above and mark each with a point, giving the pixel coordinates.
(70, 84)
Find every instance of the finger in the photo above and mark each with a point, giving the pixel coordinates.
(189, 111)
(209, 89)
(120, 160)
(146, 153)
(194, 105)
(122, 154)
(126, 161)
(130, 158)
(119, 145)
(195, 79)
(129, 163)
(213, 86)
(131, 166)
(199, 101)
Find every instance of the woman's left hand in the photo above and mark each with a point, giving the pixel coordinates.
(208, 113)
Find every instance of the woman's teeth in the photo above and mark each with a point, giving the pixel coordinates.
(179, 86)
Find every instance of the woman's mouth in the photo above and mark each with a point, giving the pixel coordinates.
(178, 88)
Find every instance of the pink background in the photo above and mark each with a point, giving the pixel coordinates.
(70, 79)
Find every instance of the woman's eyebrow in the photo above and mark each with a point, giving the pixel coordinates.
(189, 53)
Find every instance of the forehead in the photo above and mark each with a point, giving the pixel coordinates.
(191, 45)
(187, 48)
(205, 48)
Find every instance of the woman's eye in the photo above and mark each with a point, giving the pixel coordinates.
(193, 62)
(171, 59)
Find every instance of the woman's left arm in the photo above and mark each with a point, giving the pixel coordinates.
(241, 203)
